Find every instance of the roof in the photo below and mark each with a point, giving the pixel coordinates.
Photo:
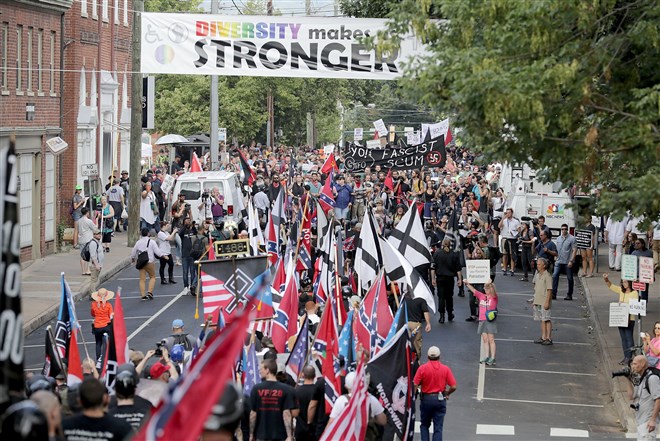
(210, 175)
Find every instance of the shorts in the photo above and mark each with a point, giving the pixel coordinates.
(509, 244)
(541, 314)
(486, 327)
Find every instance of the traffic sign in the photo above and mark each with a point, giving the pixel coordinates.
(89, 169)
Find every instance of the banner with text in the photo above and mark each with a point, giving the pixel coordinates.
(269, 46)
(430, 154)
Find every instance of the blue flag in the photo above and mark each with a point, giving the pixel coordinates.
(400, 319)
(346, 340)
(298, 356)
(250, 369)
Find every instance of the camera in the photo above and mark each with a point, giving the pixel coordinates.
(159, 349)
(625, 372)
(635, 407)
(205, 195)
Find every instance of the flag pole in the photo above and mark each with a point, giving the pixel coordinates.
(337, 288)
(304, 218)
(199, 282)
(396, 297)
(49, 331)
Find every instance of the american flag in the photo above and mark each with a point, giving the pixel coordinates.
(296, 361)
(250, 369)
(351, 423)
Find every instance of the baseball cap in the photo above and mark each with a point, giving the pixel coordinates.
(124, 172)
(349, 380)
(157, 370)
(177, 323)
(433, 352)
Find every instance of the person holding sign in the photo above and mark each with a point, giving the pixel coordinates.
(642, 251)
(487, 316)
(626, 294)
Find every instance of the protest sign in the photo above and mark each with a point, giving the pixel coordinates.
(328, 149)
(619, 314)
(431, 154)
(583, 239)
(357, 134)
(629, 267)
(413, 138)
(646, 269)
(168, 184)
(379, 125)
(478, 271)
(373, 144)
(637, 307)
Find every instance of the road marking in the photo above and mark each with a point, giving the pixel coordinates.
(526, 294)
(495, 429)
(135, 278)
(155, 297)
(41, 346)
(553, 317)
(517, 340)
(160, 311)
(569, 433)
(481, 382)
(597, 406)
(541, 372)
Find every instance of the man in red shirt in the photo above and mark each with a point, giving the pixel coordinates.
(437, 382)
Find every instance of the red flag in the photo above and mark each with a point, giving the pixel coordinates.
(376, 135)
(327, 345)
(75, 373)
(195, 166)
(374, 318)
(285, 324)
(250, 174)
(389, 182)
(184, 409)
(271, 241)
(448, 136)
(326, 196)
(330, 165)
(351, 423)
(119, 331)
(211, 253)
(305, 246)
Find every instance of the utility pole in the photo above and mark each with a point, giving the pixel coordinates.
(214, 107)
(135, 167)
(270, 125)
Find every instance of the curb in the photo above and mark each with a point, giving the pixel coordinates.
(619, 399)
(85, 290)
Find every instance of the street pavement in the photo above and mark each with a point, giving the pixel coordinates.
(564, 391)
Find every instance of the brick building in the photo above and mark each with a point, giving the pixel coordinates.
(73, 57)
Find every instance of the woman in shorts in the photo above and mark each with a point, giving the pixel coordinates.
(487, 328)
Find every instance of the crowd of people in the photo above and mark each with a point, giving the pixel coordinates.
(465, 216)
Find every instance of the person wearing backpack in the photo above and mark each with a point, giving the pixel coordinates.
(86, 229)
(645, 397)
(149, 246)
(179, 337)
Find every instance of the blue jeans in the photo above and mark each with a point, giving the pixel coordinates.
(155, 226)
(432, 409)
(562, 268)
(341, 213)
(189, 271)
(627, 340)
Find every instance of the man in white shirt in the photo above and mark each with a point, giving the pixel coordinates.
(151, 247)
(509, 227)
(376, 410)
(149, 209)
(614, 234)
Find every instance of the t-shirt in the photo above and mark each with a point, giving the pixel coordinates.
(83, 428)
(268, 399)
(304, 394)
(416, 309)
(134, 414)
(375, 408)
(433, 377)
(542, 284)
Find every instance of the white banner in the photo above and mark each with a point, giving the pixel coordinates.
(478, 270)
(440, 128)
(269, 46)
(619, 314)
(357, 134)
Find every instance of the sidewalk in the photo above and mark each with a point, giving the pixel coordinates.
(40, 280)
(599, 298)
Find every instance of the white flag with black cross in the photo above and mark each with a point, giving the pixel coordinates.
(408, 237)
(368, 256)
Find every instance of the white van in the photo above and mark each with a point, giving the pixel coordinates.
(554, 206)
(192, 185)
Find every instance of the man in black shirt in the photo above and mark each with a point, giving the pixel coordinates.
(93, 423)
(418, 313)
(305, 429)
(188, 235)
(446, 265)
(273, 407)
(127, 408)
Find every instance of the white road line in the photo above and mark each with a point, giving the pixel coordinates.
(133, 278)
(530, 316)
(155, 297)
(597, 406)
(481, 382)
(160, 311)
(518, 340)
(541, 372)
(526, 294)
(495, 429)
(569, 433)
(41, 346)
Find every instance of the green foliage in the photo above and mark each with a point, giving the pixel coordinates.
(570, 87)
(173, 5)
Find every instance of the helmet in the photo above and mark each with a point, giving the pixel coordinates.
(39, 382)
(346, 292)
(24, 421)
(176, 354)
(129, 367)
(125, 384)
(227, 412)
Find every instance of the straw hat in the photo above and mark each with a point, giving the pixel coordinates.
(102, 294)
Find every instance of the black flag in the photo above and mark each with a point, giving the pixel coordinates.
(392, 382)
(11, 336)
(53, 363)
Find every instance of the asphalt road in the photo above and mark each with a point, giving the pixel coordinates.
(533, 393)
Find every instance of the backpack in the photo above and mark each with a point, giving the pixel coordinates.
(198, 248)
(651, 371)
(84, 252)
(142, 258)
(181, 339)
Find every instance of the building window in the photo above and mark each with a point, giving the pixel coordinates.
(25, 163)
(125, 12)
(3, 61)
(83, 8)
(49, 198)
(115, 6)
(29, 59)
(40, 59)
(51, 65)
(105, 10)
(95, 14)
(19, 47)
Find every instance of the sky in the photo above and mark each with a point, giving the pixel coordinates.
(286, 7)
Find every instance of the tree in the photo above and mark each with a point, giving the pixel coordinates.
(570, 87)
